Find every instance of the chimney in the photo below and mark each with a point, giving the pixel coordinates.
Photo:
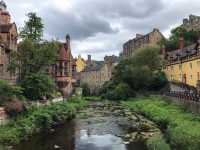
(89, 59)
(181, 42)
(163, 51)
(68, 42)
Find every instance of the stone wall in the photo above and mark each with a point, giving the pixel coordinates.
(192, 106)
(140, 41)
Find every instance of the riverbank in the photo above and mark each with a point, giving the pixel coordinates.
(181, 128)
(37, 119)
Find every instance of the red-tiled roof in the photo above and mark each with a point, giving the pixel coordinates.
(62, 54)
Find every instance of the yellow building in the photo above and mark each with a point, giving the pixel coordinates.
(80, 64)
(183, 65)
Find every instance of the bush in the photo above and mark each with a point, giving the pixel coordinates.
(38, 118)
(8, 92)
(182, 129)
(121, 92)
(142, 72)
(86, 89)
(36, 86)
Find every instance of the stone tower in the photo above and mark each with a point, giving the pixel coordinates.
(4, 14)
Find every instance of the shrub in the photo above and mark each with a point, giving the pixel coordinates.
(38, 118)
(7, 92)
(86, 89)
(36, 86)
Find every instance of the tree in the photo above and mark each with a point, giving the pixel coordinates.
(33, 28)
(8, 92)
(86, 89)
(33, 57)
(190, 37)
(148, 56)
(142, 72)
(37, 85)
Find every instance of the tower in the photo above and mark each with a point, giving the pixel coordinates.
(4, 14)
(68, 42)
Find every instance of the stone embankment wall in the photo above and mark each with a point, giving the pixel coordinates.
(193, 106)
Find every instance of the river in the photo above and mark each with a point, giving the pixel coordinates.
(95, 128)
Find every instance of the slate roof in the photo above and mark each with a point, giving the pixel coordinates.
(94, 66)
(183, 53)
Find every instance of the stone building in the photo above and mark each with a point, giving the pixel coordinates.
(80, 64)
(193, 23)
(183, 65)
(64, 71)
(8, 43)
(96, 75)
(140, 41)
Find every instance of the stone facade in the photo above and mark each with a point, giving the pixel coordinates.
(193, 23)
(182, 65)
(96, 76)
(8, 43)
(140, 41)
(80, 64)
(64, 71)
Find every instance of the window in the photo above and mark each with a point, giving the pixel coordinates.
(180, 67)
(56, 69)
(65, 69)
(181, 77)
(1, 69)
(198, 63)
(190, 65)
(190, 77)
(171, 77)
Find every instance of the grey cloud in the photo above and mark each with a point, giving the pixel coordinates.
(78, 26)
(110, 22)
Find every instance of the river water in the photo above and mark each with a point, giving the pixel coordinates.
(96, 128)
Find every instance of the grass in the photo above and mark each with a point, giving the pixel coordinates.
(157, 143)
(182, 129)
(37, 119)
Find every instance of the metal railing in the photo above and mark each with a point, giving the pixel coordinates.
(184, 95)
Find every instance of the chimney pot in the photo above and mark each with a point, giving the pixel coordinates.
(181, 42)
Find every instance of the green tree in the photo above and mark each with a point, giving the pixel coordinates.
(33, 57)
(148, 56)
(86, 89)
(142, 72)
(8, 92)
(33, 28)
(173, 42)
(37, 86)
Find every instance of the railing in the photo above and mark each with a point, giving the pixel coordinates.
(184, 96)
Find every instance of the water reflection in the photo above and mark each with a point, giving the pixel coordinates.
(99, 131)
(99, 142)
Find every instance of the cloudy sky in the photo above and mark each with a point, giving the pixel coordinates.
(100, 27)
